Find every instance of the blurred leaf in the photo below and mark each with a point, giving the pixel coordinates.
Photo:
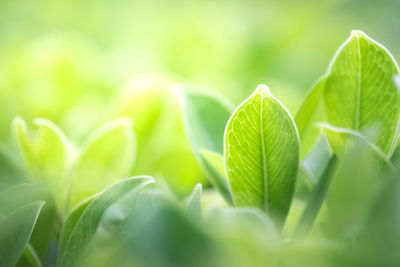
(341, 140)
(163, 150)
(262, 154)
(205, 117)
(108, 156)
(360, 92)
(150, 229)
(71, 221)
(29, 258)
(310, 111)
(85, 228)
(45, 154)
(148, 102)
(317, 198)
(353, 190)
(45, 230)
(214, 163)
(11, 172)
(380, 238)
(193, 207)
(15, 231)
(242, 225)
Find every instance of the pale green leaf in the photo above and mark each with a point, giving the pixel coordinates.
(46, 153)
(193, 207)
(205, 116)
(359, 90)
(108, 156)
(15, 231)
(262, 154)
(85, 228)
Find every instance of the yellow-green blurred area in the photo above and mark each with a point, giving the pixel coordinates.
(81, 64)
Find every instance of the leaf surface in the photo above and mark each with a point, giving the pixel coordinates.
(359, 91)
(82, 234)
(15, 231)
(262, 154)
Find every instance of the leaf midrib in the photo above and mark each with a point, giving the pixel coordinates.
(264, 156)
(358, 96)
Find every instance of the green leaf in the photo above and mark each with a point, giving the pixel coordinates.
(214, 163)
(193, 207)
(108, 156)
(46, 153)
(11, 172)
(29, 258)
(342, 139)
(317, 198)
(46, 225)
(205, 117)
(85, 228)
(359, 90)
(262, 154)
(72, 218)
(355, 187)
(15, 231)
(310, 112)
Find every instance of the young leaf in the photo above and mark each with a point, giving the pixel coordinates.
(15, 231)
(45, 154)
(359, 90)
(205, 117)
(108, 155)
(310, 111)
(193, 207)
(80, 237)
(262, 154)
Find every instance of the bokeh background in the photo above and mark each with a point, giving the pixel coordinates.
(81, 64)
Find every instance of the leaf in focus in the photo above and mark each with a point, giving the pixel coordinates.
(108, 156)
(262, 154)
(310, 112)
(193, 207)
(359, 90)
(85, 228)
(204, 118)
(15, 231)
(45, 154)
